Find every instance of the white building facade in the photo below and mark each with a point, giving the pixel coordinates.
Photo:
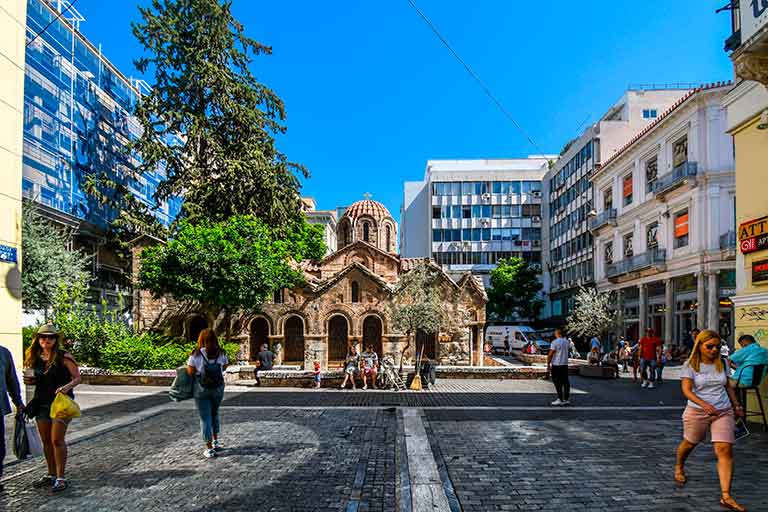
(326, 218)
(568, 245)
(664, 227)
(469, 214)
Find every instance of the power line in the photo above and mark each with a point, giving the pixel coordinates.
(475, 76)
(57, 17)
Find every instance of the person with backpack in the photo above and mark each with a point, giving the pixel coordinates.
(207, 364)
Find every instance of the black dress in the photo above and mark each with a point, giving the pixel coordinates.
(47, 382)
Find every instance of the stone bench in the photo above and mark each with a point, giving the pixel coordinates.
(598, 372)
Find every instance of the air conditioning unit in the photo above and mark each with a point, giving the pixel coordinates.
(536, 218)
(486, 197)
(537, 243)
(485, 222)
(536, 193)
(518, 242)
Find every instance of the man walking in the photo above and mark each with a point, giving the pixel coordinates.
(9, 386)
(265, 360)
(650, 354)
(557, 366)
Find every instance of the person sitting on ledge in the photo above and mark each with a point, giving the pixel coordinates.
(594, 356)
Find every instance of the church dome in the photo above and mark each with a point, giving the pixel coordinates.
(367, 207)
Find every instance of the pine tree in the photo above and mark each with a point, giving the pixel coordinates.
(225, 163)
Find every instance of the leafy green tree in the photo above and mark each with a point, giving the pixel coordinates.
(416, 304)
(225, 162)
(47, 262)
(227, 266)
(514, 289)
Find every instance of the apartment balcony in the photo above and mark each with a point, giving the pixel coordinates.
(682, 175)
(653, 259)
(602, 219)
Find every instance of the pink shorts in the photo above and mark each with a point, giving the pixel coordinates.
(696, 422)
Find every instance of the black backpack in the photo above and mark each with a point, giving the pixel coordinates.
(212, 377)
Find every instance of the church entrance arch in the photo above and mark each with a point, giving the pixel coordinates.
(293, 351)
(338, 336)
(427, 342)
(372, 334)
(259, 335)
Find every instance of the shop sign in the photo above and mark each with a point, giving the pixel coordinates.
(8, 254)
(760, 271)
(753, 235)
(754, 16)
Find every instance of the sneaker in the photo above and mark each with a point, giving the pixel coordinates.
(341, 387)
(59, 485)
(557, 402)
(566, 402)
(644, 384)
(365, 386)
(650, 385)
(209, 453)
(217, 447)
(44, 481)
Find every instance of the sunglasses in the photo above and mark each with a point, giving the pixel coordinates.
(712, 347)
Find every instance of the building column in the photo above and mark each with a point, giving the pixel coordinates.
(620, 313)
(669, 309)
(713, 302)
(480, 344)
(642, 307)
(701, 310)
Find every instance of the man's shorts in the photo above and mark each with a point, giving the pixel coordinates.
(696, 422)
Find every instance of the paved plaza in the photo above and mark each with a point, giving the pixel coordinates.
(471, 445)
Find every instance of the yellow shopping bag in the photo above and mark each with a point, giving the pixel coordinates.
(64, 408)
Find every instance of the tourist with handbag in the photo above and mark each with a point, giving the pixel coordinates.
(712, 406)
(52, 371)
(207, 364)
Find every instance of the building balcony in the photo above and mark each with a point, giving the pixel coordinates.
(602, 219)
(683, 174)
(652, 259)
(728, 240)
(733, 41)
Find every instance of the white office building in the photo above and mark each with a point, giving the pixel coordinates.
(468, 214)
(664, 228)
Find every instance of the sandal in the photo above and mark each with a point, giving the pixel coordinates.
(680, 477)
(731, 506)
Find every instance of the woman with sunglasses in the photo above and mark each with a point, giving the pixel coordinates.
(712, 405)
(55, 371)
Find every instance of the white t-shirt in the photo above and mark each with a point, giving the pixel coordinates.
(198, 362)
(561, 347)
(708, 385)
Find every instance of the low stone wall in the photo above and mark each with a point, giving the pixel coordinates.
(542, 359)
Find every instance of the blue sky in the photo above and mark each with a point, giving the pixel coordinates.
(371, 94)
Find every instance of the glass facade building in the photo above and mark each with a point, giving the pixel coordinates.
(77, 120)
(77, 123)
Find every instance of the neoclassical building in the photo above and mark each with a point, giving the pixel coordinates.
(345, 300)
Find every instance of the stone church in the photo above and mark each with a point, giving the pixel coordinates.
(346, 301)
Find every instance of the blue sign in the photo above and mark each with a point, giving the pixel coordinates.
(8, 254)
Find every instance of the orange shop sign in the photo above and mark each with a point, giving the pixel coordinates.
(753, 228)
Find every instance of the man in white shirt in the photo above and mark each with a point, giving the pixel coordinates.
(557, 365)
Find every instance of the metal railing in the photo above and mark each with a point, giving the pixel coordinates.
(637, 262)
(679, 175)
(728, 240)
(605, 217)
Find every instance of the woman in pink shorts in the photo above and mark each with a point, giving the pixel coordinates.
(712, 405)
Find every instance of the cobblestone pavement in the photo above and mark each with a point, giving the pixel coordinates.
(274, 461)
(572, 460)
(495, 445)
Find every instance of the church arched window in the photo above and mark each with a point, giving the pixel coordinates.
(355, 292)
(366, 231)
(389, 237)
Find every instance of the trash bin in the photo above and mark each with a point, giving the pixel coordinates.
(428, 372)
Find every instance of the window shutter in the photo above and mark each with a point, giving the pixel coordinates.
(627, 185)
(681, 225)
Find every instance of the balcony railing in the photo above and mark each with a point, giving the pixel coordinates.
(680, 175)
(728, 240)
(605, 217)
(654, 257)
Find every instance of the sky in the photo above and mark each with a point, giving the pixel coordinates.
(371, 93)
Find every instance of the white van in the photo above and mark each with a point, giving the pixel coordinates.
(518, 336)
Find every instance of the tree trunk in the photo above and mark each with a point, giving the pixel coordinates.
(402, 352)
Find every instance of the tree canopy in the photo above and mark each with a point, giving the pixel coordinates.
(228, 265)
(514, 289)
(593, 313)
(48, 264)
(208, 120)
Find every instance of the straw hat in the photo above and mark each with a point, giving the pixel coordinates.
(48, 329)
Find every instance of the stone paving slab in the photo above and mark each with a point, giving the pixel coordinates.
(274, 461)
(588, 463)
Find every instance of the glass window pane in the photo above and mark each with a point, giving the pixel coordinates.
(466, 212)
(437, 235)
(486, 211)
(515, 210)
(467, 234)
(506, 211)
(496, 211)
(506, 234)
(456, 212)
(486, 234)
(515, 187)
(456, 236)
(476, 211)
(505, 187)
(466, 187)
(455, 188)
(497, 187)
(496, 234)
(475, 234)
